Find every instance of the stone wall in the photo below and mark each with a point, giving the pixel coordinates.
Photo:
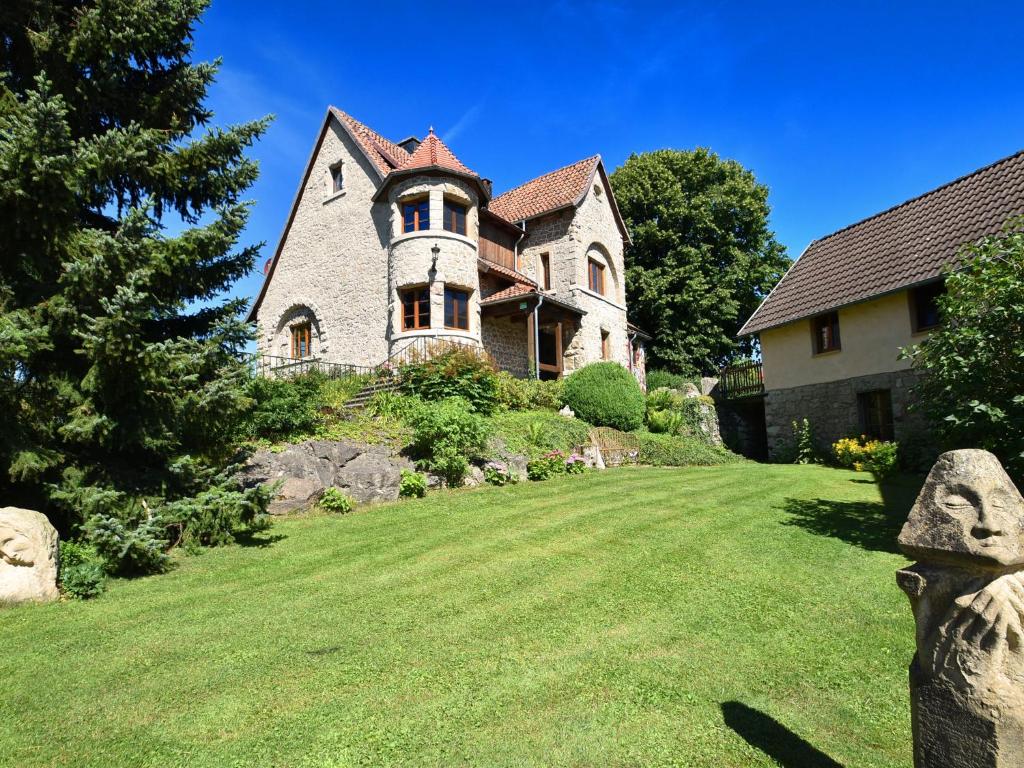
(505, 338)
(333, 266)
(831, 408)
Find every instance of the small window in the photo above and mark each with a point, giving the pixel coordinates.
(544, 269)
(456, 309)
(875, 409)
(337, 178)
(302, 340)
(454, 217)
(416, 216)
(826, 333)
(606, 346)
(596, 277)
(924, 307)
(415, 309)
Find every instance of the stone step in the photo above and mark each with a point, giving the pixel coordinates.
(367, 393)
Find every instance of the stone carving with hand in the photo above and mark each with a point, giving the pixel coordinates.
(967, 592)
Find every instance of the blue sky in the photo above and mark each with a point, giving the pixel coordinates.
(842, 109)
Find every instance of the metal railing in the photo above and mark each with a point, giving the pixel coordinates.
(415, 351)
(744, 380)
(273, 366)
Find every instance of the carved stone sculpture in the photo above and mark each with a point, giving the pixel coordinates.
(28, 557)
(966, 531)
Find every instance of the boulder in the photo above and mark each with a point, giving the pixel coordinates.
(568, 412)
(29, 556)
(690, 390)
(365, 472)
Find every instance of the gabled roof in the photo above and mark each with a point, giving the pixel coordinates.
(547, 193)
(382, 153)
(903, 246)
(563, 188)
(434, 153)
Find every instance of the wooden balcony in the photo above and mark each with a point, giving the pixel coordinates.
(739, 381)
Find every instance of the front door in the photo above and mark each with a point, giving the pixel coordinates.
(550, 351)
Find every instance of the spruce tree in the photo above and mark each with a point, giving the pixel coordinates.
(121, 367)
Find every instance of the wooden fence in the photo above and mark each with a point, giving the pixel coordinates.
(744, 380)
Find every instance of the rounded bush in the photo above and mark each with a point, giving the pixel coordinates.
(606, 395)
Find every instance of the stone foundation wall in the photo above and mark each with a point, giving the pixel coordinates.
(831, 409)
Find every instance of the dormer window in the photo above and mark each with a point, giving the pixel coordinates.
(455, 217)
(416, 215)
(337, 178)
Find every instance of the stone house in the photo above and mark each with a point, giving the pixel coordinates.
(831, 331)
(389, 245)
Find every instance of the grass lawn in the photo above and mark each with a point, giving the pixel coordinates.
(740, 615)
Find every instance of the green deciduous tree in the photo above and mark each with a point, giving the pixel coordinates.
(121, 377)
(702, 256)
(972, 365)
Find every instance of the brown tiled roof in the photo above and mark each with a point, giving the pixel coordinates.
(384, 154)
(558, 189)
(895, 249)
(517, 289)
(434, 153)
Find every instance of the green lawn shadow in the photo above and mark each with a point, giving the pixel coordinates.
(866, 524)
(773, 738)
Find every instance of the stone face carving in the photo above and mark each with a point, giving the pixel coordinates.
(967, 593)
(28, 557)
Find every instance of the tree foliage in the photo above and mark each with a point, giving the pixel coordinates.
(120, 371)
(972, 365)
(702, 256)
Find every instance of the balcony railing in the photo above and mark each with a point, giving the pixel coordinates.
(744, 380)
(273, 366)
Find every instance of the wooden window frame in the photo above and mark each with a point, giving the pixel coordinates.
(914, 296)
(302, 332)
(421, 319)
(455, 314)
(450, 219)
(835, 339)
(545, 271)
(595, 276)
(418, 219)
(337, 177)
(606, 345)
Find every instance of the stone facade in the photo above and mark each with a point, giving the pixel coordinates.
(344, 261)
(833, 412)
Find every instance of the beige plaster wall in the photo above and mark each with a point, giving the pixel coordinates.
(871, 334)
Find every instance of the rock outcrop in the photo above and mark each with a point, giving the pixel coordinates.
(29, 554)
(365, 472)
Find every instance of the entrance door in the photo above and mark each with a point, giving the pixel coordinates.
(550, 351)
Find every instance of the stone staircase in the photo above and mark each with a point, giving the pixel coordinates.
(367, 393)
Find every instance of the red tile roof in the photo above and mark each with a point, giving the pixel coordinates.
(517, 289)
(384, 154)
(558, 189)
(434, 153)
(898, 248)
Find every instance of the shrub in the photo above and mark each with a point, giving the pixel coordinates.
(667, 422)
(283, 407)
(335, 392)
(532, 433)
(522, 394)
(413, 485)
(806, 453)
(548, 465)
(498, 473)
(657, 379)
(446, 435)
(663, 399)
(863, 455)
(606, 394)
(459, 372)
(336, 500)
(575, 465)
(392, 406)
(81, 570)
(129, 546)
(661, 450)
